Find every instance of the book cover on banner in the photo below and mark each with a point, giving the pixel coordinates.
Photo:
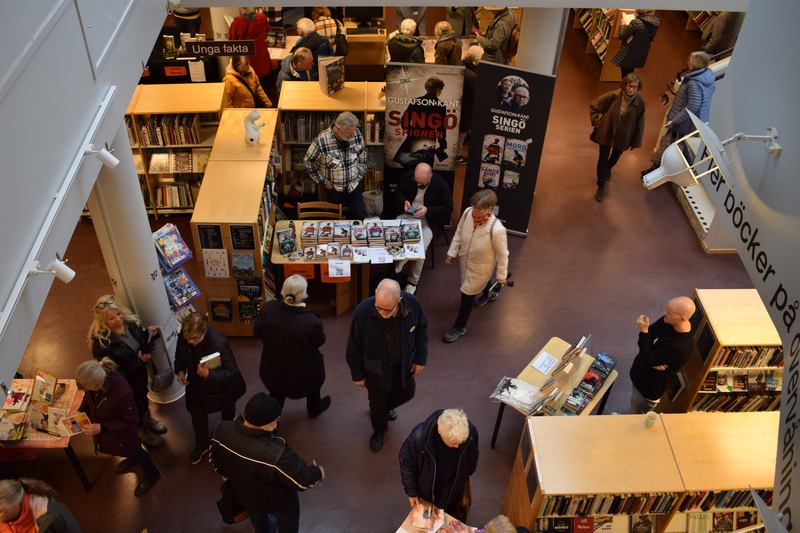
(510, 180)
(489, 176)
(515, 152)
(331, 74)
(492, 149)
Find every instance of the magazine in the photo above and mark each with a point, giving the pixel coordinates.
(180, 287)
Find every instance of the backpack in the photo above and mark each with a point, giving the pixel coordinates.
(512, 45)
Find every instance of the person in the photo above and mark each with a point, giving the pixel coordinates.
(494, 40)
(644, 525)
(718, 33)
(325, 25)
(694, 94)
(30, 505)
(430, 110)
(309, 38)
(480, 244)
(242, 85)
(447, 47)
(461, 19)
(618, 119)
(117, 333)
(470, 63)
(664, 348)
(386, 349)
(430, 196)
(187, 19)
(636, 38)
(417, 14)
(291, 363)
(505, 91)
(519, 98)
(337, 160)
(437, 459)
(263, 471)
(295, 67)
(404, 47)
(252, 24)
(109, 405)
(207, 389)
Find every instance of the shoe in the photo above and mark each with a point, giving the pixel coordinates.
(454, 333)
(376, 442)
(461, 160)
(124, 465)
(154, 425)
(411, 288)
(150, 438)
(323, 405)
(484, 299)
(649, 170)
(197, 455)
(599, 194)
(392, 415)
(146, 484)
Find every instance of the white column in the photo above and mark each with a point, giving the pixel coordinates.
(541, 38)
(120, 221)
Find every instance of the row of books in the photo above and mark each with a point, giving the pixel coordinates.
(604, 22)
(604, 504)
(360, 254)
(700, 18)
(590, 385)
(584, 15)
(726, 499)
(721, 522)
(145, 192)
(737, 402)
(600, 44)
(742, 381)
(749, 356)
(165, 130)
(374, 128)
(181, 161)
(178, 195)
(305, 126)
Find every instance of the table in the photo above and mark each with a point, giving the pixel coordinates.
(279, 54)
(558, 347)
(35, 439)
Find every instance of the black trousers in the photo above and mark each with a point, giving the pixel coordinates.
(467, 303)
(313, 401)
(381, 401)
(202, 438)
(608, 158)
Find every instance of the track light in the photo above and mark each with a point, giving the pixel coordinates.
(104, 155)
(57, 267)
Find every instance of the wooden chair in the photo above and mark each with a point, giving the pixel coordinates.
(317, 210)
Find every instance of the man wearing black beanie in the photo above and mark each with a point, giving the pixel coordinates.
(263, 471)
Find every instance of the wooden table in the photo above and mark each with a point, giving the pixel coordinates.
(558, 347)
(37, 439)
(277, 55)
(230, 143)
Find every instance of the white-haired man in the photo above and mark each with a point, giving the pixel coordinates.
(404, 47)
(318, 44)
(337, 160)
(437, 459)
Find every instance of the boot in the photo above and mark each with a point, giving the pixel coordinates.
(150, 438)
(153, 425)
(146, 484)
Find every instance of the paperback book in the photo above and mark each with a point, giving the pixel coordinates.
(221, 310)
(250, 289)
(331, 74)
(44, 387)
(244, 266)
(75, 425)
(247, 312)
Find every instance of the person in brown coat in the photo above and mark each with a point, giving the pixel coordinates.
(448, 47)
(618, 120)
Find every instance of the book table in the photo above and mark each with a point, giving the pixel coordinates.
(35, 439)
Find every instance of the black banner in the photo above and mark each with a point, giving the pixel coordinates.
(508, 127)
(220, 48)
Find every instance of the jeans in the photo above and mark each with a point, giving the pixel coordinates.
(467, 303)
(263, 522)
(639, 404)
(381, 401)
(287, 517)
(606, 162)
(354, 201)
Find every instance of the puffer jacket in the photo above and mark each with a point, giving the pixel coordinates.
(406, 49)
(238, 94)
(633, 54)
(115, 410)
(694, 94)
(478, 251)
(620, 132)
(448, 49)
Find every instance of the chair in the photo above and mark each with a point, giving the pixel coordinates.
(317, 210)
(434, 238)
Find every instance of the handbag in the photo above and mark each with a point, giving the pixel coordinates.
(229, 507)
(340, 41)
(159, 382)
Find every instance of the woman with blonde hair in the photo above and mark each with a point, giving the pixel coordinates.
(448, 47)
(110, 406)
(118, 334)
(30, 505)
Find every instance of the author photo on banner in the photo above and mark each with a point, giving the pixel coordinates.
(513, 92)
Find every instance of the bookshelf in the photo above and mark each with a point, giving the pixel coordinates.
(733, 333)
(698, 20)
(602, 29)
(174, 124)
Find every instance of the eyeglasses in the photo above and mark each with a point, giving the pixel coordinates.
(195, 338)
(388, 310)
(634, 85)
(105, 303)
(521, 97)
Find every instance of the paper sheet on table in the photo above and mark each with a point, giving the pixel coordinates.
(338, 268)
(275, 53)
(380, 256)
(197, 72)
(544, 363)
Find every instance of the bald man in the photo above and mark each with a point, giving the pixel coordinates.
(386, 349)
(664, 347)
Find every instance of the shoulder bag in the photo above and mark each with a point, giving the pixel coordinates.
(159, 382)
(340, 41)
(229, 507)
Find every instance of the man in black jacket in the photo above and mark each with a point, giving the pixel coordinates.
(263, 471)
(432, 201)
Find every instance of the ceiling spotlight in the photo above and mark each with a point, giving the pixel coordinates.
(57, 267)
(104, 155)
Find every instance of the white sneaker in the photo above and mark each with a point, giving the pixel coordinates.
(411, 288)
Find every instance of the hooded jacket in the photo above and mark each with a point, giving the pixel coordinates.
(694, 94)
(406, 49)
(288, 73)
(236, 88)
(633, 54)
(448, 49)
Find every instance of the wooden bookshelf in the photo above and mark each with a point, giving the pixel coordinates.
(726, 319)
(698, 20)
(602, 29)
(230, 143)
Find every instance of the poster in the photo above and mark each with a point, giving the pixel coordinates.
(508, 129)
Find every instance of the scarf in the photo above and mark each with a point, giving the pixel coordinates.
(480, 221)
(25, 523)
(625, 102)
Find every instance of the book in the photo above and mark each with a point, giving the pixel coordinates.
(722, 522)
(250, 290)
(756, 383)
(215, 264)
(391, 231)
(285, 238)
(18, 399)
(603, 524)
(74, 425)
(740, 381)
(425, 517)
(180, 161)
(44, 387)
(221, 310)
(309, 253)
(591, 383)
(12, 426)
(413, 250)
(489, 176)
(411, 230)
(710, 382)
(724, 381)
(180, 287)
(247, 312)
(746, 519)
(214, 360)
(298, 158)
(200, 157)
(159, 163)
(641, 524)
(244, 266)
(562, 524)
(603, 364)
(583, 524)
(773, 379)
(137, 160)
(171, 246)
(331, 74)
(361, 254)
(359, 234)
(575, 400)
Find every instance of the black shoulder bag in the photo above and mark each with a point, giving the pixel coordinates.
(341, 41)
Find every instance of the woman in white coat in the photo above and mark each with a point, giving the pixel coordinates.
(480, 243)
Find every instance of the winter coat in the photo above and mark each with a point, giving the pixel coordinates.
(448, 50)
(238, 94)
(263, 471)
(224, 381)
(319, 46)
(461, 19)
(288, 73)
(437, 199)
(291, 363)
(257, 31)
(478, 252)
(694, 95)
(418, 460)
(633, 54)
(718, 34)
(497, 33)
(468, 95)
(620, 132)
(115, 410)
(367, 351)
(406, 49)
(57, 519)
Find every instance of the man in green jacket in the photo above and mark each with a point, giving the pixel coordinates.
(497, 34)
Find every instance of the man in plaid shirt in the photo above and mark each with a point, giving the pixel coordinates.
(337, 160)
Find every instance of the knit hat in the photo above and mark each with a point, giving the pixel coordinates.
(261, 409)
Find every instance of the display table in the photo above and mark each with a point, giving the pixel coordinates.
(70, 401)
(279, 54)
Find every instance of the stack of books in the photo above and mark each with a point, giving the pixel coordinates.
(375, 234)
(359, 235)
(308, 234)
(333, 250)
(341, 232)
(325, 232)
(391, 232)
